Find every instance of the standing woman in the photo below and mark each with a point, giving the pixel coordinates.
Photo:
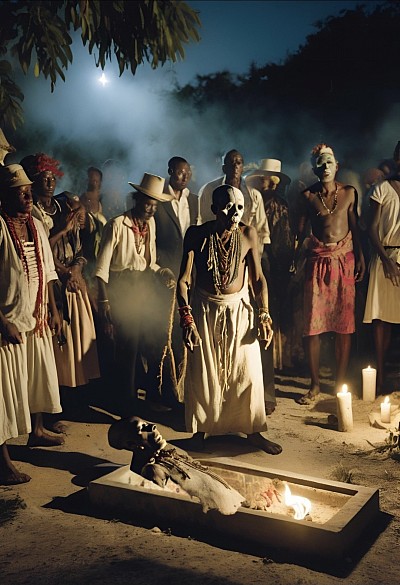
(75, 349)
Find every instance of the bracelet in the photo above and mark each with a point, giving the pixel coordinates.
(264, 316)
(186, 316)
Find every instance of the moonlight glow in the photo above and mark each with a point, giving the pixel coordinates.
(103, 80)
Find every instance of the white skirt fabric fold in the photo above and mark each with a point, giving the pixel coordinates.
(77, 361)
(224, 391)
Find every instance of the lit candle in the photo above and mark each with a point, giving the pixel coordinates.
(369, 384)
(344, 410)
(385, 410)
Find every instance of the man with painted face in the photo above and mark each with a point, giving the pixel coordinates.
(224, 389)
(253, 212)
(131, 286)
(334, 263)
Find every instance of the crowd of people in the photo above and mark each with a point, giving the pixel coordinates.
(176, 298)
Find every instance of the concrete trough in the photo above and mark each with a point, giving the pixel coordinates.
(340, 511)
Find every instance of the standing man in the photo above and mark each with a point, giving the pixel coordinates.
(253, 214)
(383, 297)
(334, 263)
(131, 285)
(224, 389)
(28, 375)
(175, 216)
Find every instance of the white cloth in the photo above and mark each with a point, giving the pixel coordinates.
(254, 211)
(77, 361)
(181, 207)
(118, 250)
(28, 376)
(224, 389)
(383, 298)
(15, 300)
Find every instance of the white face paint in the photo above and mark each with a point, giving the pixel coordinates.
(325, 167)
(234, 207)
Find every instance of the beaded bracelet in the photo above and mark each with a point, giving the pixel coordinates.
(186, 316)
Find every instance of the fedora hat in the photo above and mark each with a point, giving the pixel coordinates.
(152, 186)
(268, 167)
(13, 176)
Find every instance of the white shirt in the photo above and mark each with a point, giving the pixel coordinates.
(181, 207)
(118, 249)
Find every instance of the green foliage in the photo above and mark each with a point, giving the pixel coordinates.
(38, 32)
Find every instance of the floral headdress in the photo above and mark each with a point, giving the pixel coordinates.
(40, 163)
(319, 149)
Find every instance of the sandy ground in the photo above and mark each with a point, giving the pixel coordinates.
(59, 537)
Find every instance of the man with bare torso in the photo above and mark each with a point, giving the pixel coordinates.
(224, 389)
(334, 263)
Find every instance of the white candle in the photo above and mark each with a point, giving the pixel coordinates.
(385, 410)
(369, 384)
(344, 410)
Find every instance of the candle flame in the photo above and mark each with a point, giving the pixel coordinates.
(301, 506)
(386, 401)
(344, 388)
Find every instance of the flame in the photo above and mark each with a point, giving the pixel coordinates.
(386, 401)
(301, 506)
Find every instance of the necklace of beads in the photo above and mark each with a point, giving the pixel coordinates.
(56, 205)
(140, 230)
(19, 246)
(221, 259)
(335, 200)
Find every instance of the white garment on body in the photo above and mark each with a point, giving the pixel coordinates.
(224, 390)
(118, 250)
(181, 207)
(28, 376)
(77, 361)
(254, 211)
(383, 298)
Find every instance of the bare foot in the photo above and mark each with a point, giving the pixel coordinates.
(262, 443)
(269, 408)
(44, 440)
(10, 475)
(309, 397)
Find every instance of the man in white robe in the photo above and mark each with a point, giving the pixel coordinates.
(28, 376)
(224, 384)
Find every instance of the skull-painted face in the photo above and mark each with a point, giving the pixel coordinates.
(325, 167)
(228, 205)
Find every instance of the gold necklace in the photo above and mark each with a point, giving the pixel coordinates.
(335, 200)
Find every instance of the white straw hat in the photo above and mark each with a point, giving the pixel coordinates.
(268, 167)
(152, 186)
(13, 176)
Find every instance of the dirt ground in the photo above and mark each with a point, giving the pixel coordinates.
(57, 536)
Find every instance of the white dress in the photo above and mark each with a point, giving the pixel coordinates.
(383, 298)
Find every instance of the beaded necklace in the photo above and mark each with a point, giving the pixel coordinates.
(57, 207)
(38, 312)
(220, 259)
(335, 200)
(140, 233)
